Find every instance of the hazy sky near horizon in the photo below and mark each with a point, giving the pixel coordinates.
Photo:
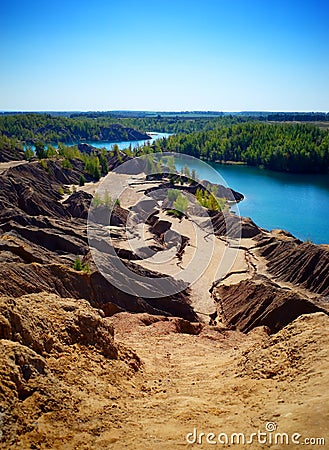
(165, 55)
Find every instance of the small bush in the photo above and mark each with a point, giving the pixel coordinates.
(29, 154)
(175, 213)
(82, 180)
(173, 194)
(97, 201)
(77, 264)
(66, 164)
(44, 164)
(181, 203)
(107, 199)
(86, 268)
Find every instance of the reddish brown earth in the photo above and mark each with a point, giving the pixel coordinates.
(66, 383)
(86, 366)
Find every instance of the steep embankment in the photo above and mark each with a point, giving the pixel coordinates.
(11, 153)
(281, 279)
(40, 238)
(46, 345)
(300, 263)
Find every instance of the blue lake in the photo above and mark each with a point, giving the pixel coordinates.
(293, 202)
(126, 144)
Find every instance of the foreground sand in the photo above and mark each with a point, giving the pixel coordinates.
(223, 381)
(219, 381)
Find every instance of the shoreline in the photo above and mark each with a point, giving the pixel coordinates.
(247, 264)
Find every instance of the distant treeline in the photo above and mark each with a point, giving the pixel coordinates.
(255, 115)
(299, 148)
(31, 127)
(298, 117)
(52, 129)
(106, 126)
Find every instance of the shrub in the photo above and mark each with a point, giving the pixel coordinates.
(181, 203)
(40, 150)
(86, 268)
(107, 199)
(66, 164)
(103, 162)
(43, 164)
(97, 201)
(82, 180)
(77, 264)
(173, 194)
(51, 152)
(29, 153)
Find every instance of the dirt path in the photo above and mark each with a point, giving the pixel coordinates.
(207, 382)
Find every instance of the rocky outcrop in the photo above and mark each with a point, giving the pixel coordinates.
(46, 323)
(232, 226)
(297, 262)
(78, 204)
(259, 302)
(36, 331)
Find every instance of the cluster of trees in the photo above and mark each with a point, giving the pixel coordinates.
(205, 198)
(52, 129)
(300, 148)
(299, 117)
(95, 164)
(210, 201)
(31, 127)
(180, 202)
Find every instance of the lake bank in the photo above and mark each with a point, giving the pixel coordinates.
(294, 202)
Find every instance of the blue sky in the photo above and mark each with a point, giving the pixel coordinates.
(162, 55)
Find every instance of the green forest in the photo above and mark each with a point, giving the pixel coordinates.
(52, 129)
(30, 128)
(299, 148)
(291, 147)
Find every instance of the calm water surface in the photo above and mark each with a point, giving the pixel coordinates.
(297, 203)
(126, 144)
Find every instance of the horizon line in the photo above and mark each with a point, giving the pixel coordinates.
(163, 111)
